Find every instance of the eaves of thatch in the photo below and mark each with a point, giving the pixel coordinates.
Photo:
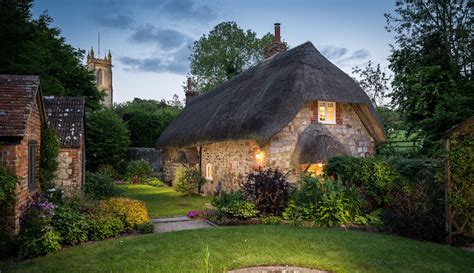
(259, 102)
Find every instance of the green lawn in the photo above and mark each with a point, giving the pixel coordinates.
(235, 247)
(164, 201)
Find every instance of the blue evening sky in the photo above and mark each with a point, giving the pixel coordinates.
(149, 39)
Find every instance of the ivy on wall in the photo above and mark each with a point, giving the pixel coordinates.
(49, 157)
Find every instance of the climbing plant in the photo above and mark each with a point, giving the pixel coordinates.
(49, 157)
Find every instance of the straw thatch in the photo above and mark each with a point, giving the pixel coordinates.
(259, 102)
(316, 145)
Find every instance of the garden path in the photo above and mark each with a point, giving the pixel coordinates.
(161, 225)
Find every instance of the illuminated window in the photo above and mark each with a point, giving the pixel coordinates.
(314, 169)
(209, 171)
(327, 112)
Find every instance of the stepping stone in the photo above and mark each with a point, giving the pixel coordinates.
(161, 227)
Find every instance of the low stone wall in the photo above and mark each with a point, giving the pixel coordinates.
(152, 155)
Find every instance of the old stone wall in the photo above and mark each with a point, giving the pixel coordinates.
(348, 130)
(70, 176)
(151, 155)
(14, 157)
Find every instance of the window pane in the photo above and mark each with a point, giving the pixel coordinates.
(331, 113)
(322, 112)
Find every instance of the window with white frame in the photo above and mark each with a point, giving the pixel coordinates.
(209, 171)
(327, 112)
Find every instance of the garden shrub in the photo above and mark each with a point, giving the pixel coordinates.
(71, 224)
(7, 189)
(146, 227)
(108, 170)
(374, 177)
(49, 157)
(138, 171)
(131, 212)
(234, 204)
(155, 182)
(268, 190)
(102, 226)
(99, 186)
(188, 180)
(271, 220)
(37, 236)
(326, 202)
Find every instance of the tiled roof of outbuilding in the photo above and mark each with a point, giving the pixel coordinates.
(17, 97)
(66, 114)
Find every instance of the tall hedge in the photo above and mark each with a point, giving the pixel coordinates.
(49, 157)
(107, 139)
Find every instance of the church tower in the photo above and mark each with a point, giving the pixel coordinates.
(102, 69)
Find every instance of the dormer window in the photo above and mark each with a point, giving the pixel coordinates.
(327, 112)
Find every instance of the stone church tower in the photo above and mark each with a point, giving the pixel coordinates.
(103, 72)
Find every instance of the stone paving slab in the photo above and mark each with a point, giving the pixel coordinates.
(171, 219)
(277, 269)
(161, 227)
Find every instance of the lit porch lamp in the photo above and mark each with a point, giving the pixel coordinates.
(260, 157)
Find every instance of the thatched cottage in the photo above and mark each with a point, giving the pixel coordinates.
(66, 115)
(21, 118)
(292, 111)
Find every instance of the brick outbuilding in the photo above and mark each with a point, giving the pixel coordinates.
(21, 118)
(66, 114)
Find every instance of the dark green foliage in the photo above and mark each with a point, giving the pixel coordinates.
(145, 227)
(108, 170)
(268, 189)
(49, 157)
(325, 202)
(37, 236)
(104, 226)
(71, 224)
(432, 64)
(234, 205)
(138, 171)
(107, 139)
(99, 186)
(372, 176)
(146, 119)
(7, 188)
(224, 53)
(188, 180)
(30, 46)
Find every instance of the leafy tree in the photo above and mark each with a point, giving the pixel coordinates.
(432, 62)
(374, 82)
(146, 119)
(107, 139)
(30, 46)
(224, 53)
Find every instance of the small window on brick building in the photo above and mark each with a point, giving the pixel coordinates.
(209, 171)
(327, 112)
(31, 165)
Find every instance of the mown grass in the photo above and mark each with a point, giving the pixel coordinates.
(235, 247)
(164, 201)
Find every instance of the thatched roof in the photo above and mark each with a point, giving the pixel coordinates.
(259, 102)
(317, 144)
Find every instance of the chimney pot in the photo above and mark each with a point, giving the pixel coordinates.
(190, 84)
(277, 35)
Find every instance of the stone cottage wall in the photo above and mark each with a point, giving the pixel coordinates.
(14, 157)
(69, 176)
(348, 130)
(170, 166)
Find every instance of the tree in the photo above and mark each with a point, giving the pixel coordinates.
(107, 139)
(30, 46)
(224, 53)
(374, 82)
(432, 62)
(146, 119)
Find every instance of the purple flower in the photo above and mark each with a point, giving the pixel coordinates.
(193, 213)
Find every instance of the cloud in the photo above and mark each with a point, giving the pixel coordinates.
(165, 38)
(121, 21)
(343, 56)
(186, 10)
(175, 61)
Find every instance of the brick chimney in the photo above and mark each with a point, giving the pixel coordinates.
(190, 92)
(277, 46)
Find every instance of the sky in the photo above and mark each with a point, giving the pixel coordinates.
(150, 39)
